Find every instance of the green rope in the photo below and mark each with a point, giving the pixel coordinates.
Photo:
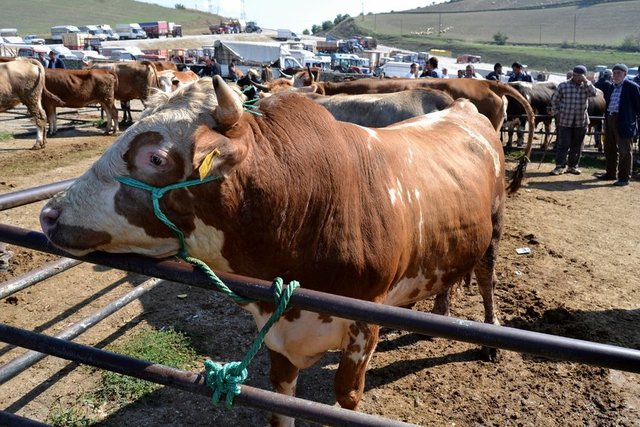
(226, 379)
(223, 379)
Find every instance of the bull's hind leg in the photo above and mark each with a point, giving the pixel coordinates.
(40, 119)
(357, 349)
(284, 377)
(484, 272)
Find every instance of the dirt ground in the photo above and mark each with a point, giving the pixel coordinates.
(580, 280)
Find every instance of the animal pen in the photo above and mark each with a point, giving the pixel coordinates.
(40, 345)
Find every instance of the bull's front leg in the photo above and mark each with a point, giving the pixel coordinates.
(358, 347)
(284, 378)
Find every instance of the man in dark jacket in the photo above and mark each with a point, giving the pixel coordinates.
(54, 61)
(496, 73)
(518, 74)
(623, 109)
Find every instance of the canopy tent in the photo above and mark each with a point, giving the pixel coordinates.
(249, 53)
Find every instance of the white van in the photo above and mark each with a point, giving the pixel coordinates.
(130, 31)
(59, 30)
(94, 31)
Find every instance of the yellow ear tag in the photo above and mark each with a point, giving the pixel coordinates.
(207, 164)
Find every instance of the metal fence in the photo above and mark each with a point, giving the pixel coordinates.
(549, 346)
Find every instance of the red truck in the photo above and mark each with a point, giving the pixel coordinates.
(155, 29)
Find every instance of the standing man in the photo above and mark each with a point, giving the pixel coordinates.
(431, 68)
(232, 71)
(43, 59)
(623, 109)
(496, 73)
(413, 72)
(518, 74)
(215, 68)
(569, 106)
(54, 61)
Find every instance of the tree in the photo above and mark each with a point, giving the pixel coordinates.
(315, 29)
(500, 38)
(327, 25)
(180, 6)
(306, 32)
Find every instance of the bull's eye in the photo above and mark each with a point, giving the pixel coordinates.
(157, 160)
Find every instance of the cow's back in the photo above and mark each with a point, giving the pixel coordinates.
(20, 81)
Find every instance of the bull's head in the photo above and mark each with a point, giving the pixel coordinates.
(191, 134)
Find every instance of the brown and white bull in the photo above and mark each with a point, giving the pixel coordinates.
(383, 109)
(79, 88)
(488, 97)
(22, 81)
(391, 215)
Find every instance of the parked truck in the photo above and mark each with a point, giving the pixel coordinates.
(155, 29)
(130, 31)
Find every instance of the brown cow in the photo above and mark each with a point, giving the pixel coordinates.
(391, 215)
(79, 88)
(486, 95)
(135, 80)
(23, 81)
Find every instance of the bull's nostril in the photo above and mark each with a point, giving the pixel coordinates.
(48, 218)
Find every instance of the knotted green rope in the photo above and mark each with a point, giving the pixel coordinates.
(223, 379)
(226, 379)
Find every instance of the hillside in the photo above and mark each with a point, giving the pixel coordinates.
(557, 22)
(37, 17)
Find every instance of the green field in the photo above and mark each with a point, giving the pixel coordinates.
(38, 16)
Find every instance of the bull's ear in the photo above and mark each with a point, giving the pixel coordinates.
(229, 108)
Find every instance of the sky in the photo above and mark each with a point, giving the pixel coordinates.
(295, 15)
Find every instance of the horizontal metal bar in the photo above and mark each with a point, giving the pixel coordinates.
(551, 346)
(20, 363)
(33, 194)
(35, 276)
(189, 381)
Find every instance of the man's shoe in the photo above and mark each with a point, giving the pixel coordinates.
(620, 183)
(574, 171)
(559, 170)
(605, 177)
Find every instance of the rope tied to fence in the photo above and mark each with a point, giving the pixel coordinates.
(226, 379)
(223, 379)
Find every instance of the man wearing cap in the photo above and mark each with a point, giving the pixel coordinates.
(518, 74)
(569, 106)
(623, 108)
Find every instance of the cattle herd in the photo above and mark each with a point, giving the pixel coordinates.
(400, 188)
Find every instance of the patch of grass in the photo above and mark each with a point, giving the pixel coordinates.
(167, 347)
(5, 136)
(68, 417)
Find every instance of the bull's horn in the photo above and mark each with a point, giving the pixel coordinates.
(263, 88)
(286, 75)
(229, 108)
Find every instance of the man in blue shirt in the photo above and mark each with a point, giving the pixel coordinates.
(623, 109)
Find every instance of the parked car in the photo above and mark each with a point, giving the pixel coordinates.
(33, 39)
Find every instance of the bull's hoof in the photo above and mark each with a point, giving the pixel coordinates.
(490, 354)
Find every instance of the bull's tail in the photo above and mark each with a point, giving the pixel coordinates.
(45, 93)
(501, 90)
